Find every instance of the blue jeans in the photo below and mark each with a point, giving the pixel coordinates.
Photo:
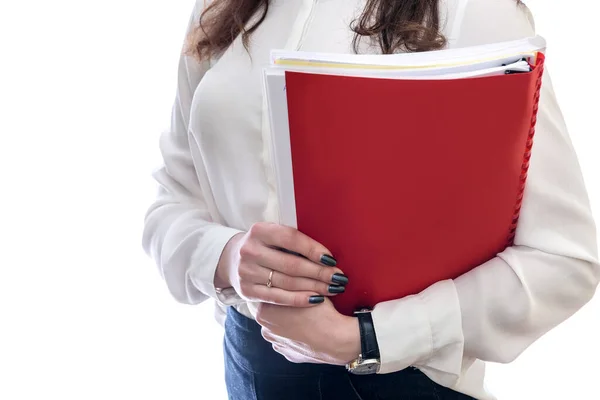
(254, 371)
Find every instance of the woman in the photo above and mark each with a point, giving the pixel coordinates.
(212, 234)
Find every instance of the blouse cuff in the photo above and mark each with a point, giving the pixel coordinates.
(423, 331)
(205, 261)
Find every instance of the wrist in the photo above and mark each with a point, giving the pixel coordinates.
(369, 361)
(350, 339)
(223, 273)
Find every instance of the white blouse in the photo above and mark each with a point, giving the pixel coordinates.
(217, 181)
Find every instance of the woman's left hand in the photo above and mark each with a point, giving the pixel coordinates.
(319, 335)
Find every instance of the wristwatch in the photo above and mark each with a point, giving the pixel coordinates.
(368, 361)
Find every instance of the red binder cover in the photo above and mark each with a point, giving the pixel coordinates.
(409, 182)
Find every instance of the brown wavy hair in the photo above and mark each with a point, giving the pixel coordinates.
(395, 25)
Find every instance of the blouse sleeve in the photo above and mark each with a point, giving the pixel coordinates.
(178, 231)
(497, 310)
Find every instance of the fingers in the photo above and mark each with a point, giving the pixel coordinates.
(260, 276)
(291, 283)
(295, 266)
(288, 348)
(291, 239)
(267, 335)
(283, 297)
(285, 290)
(302, 272)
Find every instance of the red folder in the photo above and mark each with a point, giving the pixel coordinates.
(409, 182)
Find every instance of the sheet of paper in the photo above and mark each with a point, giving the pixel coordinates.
(432, 59)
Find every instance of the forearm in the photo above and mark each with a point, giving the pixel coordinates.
(493, 313)
(511, 301)
(185, 246)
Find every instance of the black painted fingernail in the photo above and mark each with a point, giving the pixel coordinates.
(316, 299)
(336, 289)
(340, 279)
(328, 260)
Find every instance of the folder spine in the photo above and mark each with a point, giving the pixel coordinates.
(527, 155)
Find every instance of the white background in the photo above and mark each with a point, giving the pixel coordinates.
(85, 89)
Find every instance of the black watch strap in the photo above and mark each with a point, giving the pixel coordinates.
(368, 340)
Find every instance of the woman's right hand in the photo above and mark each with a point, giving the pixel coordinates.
(298, 280)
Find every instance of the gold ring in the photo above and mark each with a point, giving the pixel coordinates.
(270, 281)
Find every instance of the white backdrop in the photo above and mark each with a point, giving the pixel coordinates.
(85, 89)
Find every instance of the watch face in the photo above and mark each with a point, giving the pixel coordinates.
(366, 367)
